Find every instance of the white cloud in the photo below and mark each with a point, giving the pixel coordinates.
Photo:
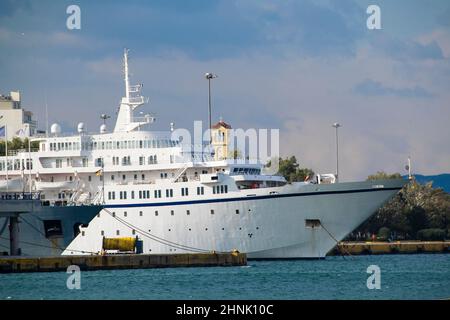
(441, 37)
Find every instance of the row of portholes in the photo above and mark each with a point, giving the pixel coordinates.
(172, 213)
(102, 232)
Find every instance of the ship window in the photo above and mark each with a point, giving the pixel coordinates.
(237, 211)
(134, 232)
(156, 213)
(200, 190)
(102, 233)
(312, 223)
(140, 213)
(117, 232)
(188, 212)
(140, 194)
(124, 213)
(172, 212)
(132, 194)
(212, 211)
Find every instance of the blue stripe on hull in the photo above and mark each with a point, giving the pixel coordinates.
(248, 198)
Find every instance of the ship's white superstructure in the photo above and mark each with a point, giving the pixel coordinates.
(177, 199)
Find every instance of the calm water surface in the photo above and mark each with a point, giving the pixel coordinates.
(402, 277)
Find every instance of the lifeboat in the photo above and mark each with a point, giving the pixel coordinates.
(56, 185)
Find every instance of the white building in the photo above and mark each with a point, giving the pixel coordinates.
(19, 121)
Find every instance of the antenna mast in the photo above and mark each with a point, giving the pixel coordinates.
(409, 168)
(127, 77)
(126, 120)
(46, 115)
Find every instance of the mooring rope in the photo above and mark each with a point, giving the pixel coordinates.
(156, 238)
(334, 238)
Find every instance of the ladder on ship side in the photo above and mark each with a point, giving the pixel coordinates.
(180, 172)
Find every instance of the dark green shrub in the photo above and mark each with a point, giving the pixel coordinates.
(431, 234)
(384, 233)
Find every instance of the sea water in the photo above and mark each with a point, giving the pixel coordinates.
(419, 276)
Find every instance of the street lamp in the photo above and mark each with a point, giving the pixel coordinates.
(209, 76)
(336, 126)
(6, 154)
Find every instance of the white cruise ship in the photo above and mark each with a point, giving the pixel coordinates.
(176, 200)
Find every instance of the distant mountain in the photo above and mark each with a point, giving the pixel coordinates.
(439, 181)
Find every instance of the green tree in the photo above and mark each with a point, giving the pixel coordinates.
(416, 207)
(291, 171)
(17, 144)
(381, 175)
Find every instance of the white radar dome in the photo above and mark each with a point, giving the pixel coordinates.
(55, 129)
(80, 127)
(103, 128)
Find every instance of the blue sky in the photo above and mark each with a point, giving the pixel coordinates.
(294, 65)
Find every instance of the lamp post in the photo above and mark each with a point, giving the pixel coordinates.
(209, 76)
(6, 155)
(337, 126)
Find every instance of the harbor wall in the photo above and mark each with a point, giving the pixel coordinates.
(398, 247)
(120, 261)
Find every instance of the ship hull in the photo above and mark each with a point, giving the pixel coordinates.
(38, 231)
(298, 222)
